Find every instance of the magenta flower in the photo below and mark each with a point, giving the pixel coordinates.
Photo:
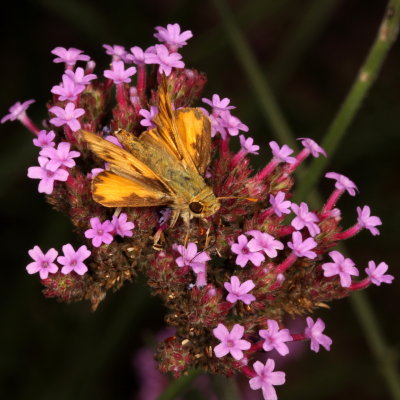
(279, 204)
(305, 218)
(46, 176)
(267, 378)
(190, 257)
(231, 342)
(239, 291)
(247, 145)
(44, 139)
(117, 52)
(118, 74)
(68, 89)
(138, 56)
(314, 148)
(99, 232)
(344, 267)
(148, 116)
(264, 242)
(165, 59)
(314, 332)
(79, 76)
(245, 254)
(343, 183)
(376, 273)
(68, 116)
(218, 104)
(300, 248)
(365, 220)
(17, 111)
(94, 172)
(70, 56)
(43, 263)
(122, 226)
(60, 157)
(275, 338)
(172, 36)
(73, 260)
(112, 139)
(282, 154)
(232, 124)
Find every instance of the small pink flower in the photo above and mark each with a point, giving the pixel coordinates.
(117, 52)
(172, 36)
(266, 379)
(138, 56)
(302, 248)
(94, 172)
(365, 220)
(165, 59)
(46, 176)
(43, 263)
(148, 117)
(305, 218)
(68, 89)
(376, 273)
(79, 77)
(122, 226)
(239, 291)
(73, 260)
(343, 183)
(231, 342)
(68, 116)
(44, 139)
(344, 267)
(279, 204)
(232, 124)
(118, 74)
(314, 148)
(70, 56)
(314, 332)
(99, 232)
(17, 111)
(275, 338)
(191, 257)
(264, 242)
(282, 154)
(245, 254)
(218, 104)
(60, 156)
(112, 139)
(248, 145)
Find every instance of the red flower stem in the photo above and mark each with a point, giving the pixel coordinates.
(334, 197)
(298, 336)
(141, 80)
(348, 233)
(281, 268)
(286, 230)
(299, 159)
(360, 285)
(247, 371)
(267, 170)
(27, 122)
(121, 96)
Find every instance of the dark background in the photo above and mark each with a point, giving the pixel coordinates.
(57, 351)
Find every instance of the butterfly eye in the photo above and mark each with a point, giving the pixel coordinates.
(196, 207)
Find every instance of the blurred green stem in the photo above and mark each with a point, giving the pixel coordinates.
(178, 386)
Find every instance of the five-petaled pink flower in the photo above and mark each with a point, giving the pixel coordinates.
(73, 260)
(231, 342)
(190, 257)
(275, 338)
(148, 116)
(365, 220)
(231, 124)
(305, 218)
(282, 154)
(68, 116)
(68, 89)
(314, 333)
(344, 267)
(60, 156)
(343, 183)
(376, 273)
(117, 52)
(17, 111)
(172, 36)
(122, 226)
(69, 56)
(266, 379)
(248, 146)
(46, 176)
(165, 59)
(239, 291)
(302, 248)
(43, 263)
(99, 232)
(138, 56)
(279, 204)
(264, 242)
(314, 148)
(79, 77)
(44, 139)
(118, 73)
(218, 104)
(245, 254)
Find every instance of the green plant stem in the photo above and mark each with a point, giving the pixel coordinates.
(366, 77)
(178, 386)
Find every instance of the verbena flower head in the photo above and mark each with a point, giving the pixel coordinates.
(228, 280)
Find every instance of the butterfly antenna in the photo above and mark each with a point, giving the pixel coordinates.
(252, 199)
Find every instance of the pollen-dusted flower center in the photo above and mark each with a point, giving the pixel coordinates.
(100, 231)
(230, 343)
